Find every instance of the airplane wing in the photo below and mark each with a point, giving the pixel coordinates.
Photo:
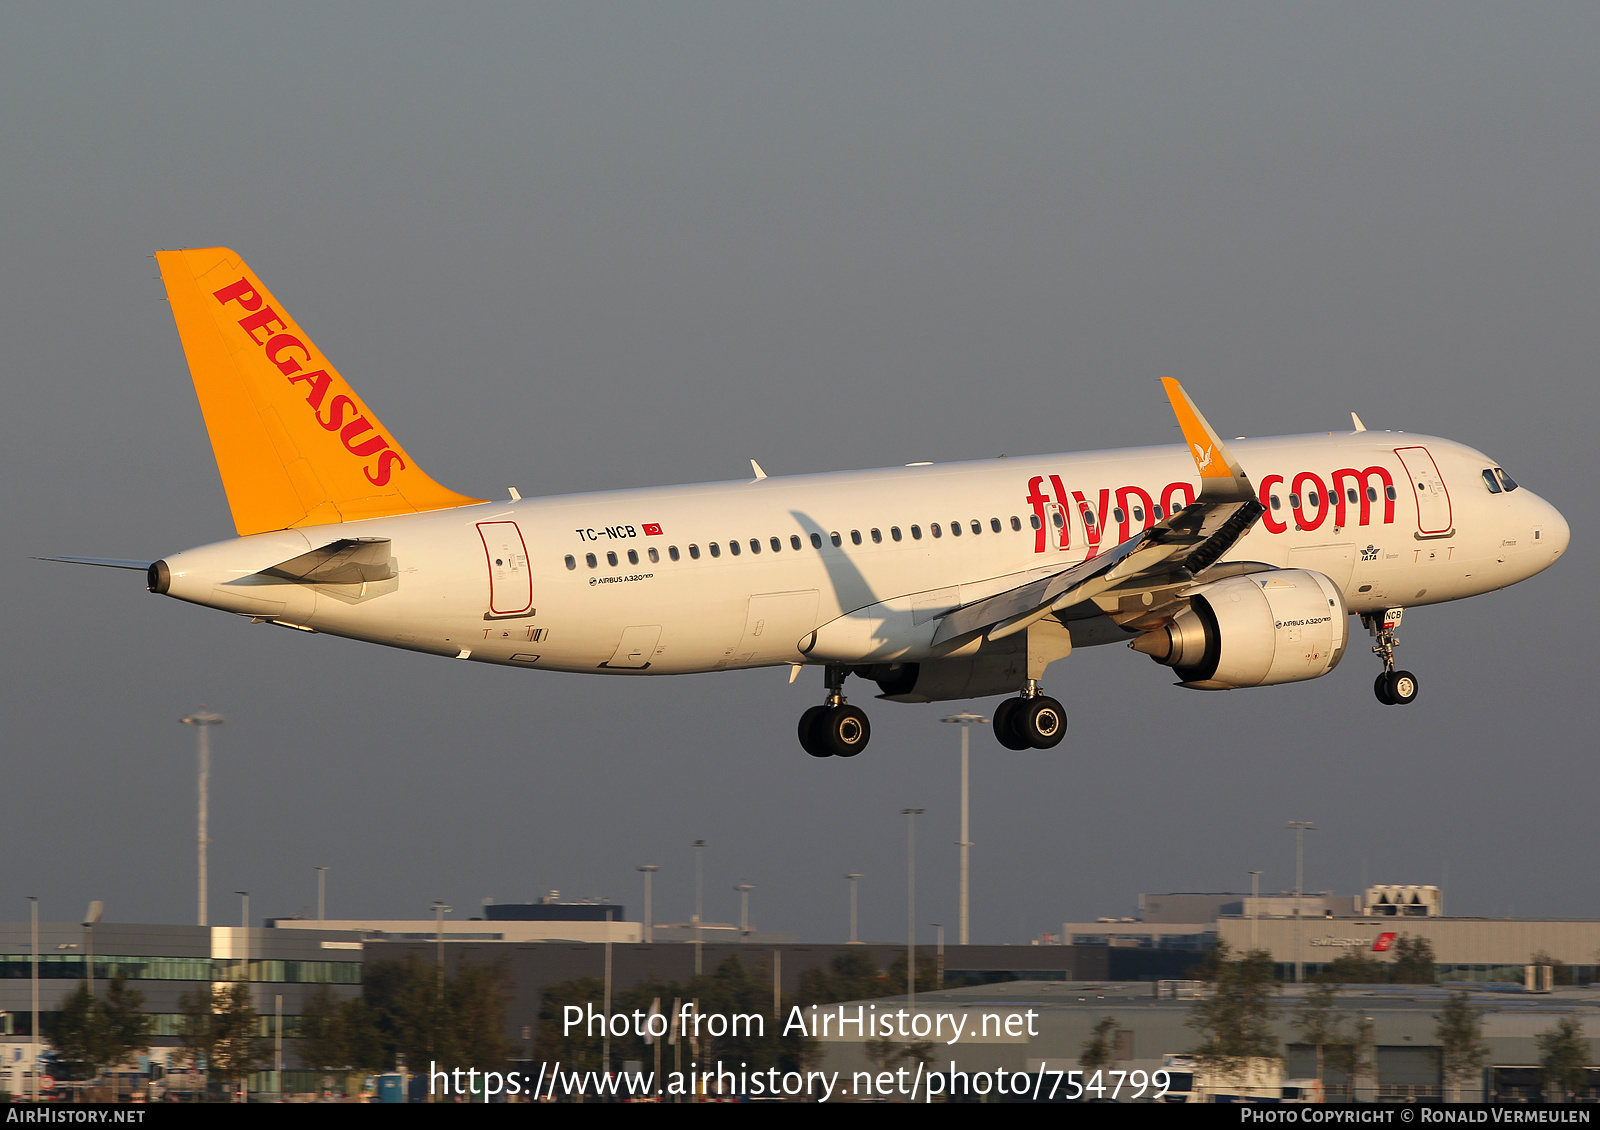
(1178, 547)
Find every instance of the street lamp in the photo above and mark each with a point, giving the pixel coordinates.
(853, 876)
(965, 719)
(202, 722)
(649, 869)
(744, 890)
(1255, 907)
(322, 893)
(1301, 827)
(244, 908)
(911, 815)
(699, 887)
(33, 1037)
(439, 911)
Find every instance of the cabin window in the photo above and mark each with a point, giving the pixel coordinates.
(655, 557)
(955, 529)
(733, 548)
(1506, 480)
(1056, 519)
(794, 541)
(672, 552)
(1372, 494)
(816, 541)
(611, 557)
(894, 532)
(755, 545)
(1313, 498)
(916, 533)
(633, 557)
(1388, 492)
(1016, 523)
(877, 536)
(835, 539)
(1033, 520)
(589, 559)
(934, 529)
(1088, 518)
(777, 545)
(855, 537)
(1138, 513)
(1159, 515)
(716, 550)
(1116, 512)
(1294, 501)
(977, 526)
(572, 562)
(1350, 495)
(694, 552)
(1277, 503)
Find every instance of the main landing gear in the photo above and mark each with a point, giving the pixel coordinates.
(1392, 688)
(835, 729)
(1032, 721)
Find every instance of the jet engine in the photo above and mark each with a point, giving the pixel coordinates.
(1255, 630)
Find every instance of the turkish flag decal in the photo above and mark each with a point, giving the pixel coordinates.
(652, 530)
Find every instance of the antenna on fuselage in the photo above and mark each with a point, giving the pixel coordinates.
(1356, 420)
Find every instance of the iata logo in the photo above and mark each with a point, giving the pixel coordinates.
(1383, 942)
(287, 352)
(1370, 553)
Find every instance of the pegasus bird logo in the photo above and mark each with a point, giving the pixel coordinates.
(1202, 456)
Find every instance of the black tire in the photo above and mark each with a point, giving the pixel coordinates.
(843, 731)
(1041, 720)
(1380, 687)
(1005, 730)
(1402, 688)
(808, 732)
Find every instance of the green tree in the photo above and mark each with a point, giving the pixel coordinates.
(1560, 971)
(1235, 1018)
(1413, 962)
(1353, 968)
(1564, 1058)
(1460, 1035)
(475, 999)
(337, 1035)
(1321, 1023)
(238, 1050)
(927, 975)
(850, 976)
(409, 1010)
(1100, 1048)
(1357, 1058)
(90, 1035)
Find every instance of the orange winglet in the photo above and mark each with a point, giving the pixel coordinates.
(1211, 456)
(294, 444)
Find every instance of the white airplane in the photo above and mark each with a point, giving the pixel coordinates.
(1235, 564)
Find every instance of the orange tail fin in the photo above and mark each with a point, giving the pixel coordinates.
(294, 444)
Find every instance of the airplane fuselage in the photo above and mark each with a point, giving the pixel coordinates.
(857, 567)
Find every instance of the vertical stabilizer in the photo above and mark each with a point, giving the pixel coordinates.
(294, 444)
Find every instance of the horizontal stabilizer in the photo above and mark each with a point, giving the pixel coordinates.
(348, 561)
(104, 562)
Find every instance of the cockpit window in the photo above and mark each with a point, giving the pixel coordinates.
(1489, 480)
(1505, 480)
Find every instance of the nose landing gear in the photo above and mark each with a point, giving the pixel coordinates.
(835, 728)
(1392, 688)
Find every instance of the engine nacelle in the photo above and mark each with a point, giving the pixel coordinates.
(1254, 630)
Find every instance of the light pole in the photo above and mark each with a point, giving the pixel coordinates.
(911, 815)
(244, 908)
(33, 1031)
(938, 969)
(89, 920)
(744, 890)
(1301, 827)
(202, 721)
(853, 876)
(649, 869)
(965, 719)
(1255, 908)
(699, 887)
(439, 911)
(322, 893)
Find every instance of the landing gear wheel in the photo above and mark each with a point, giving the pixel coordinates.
(808, 732)
(1005, 731)
(841, 731)
(1402, 688)
(1041, 720)
(1380, 687)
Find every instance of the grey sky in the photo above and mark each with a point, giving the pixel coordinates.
(574, 247)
